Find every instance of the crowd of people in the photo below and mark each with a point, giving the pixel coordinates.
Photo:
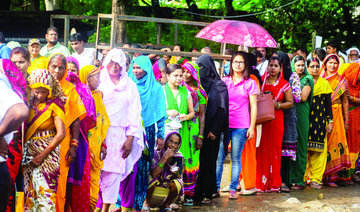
(144, 131)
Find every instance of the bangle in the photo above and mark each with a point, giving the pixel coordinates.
(160, 165)
(187, 117)
(278, 105)
(201, 136)
(74, 142)
(104, 145)
(202, 125)
(331, 121)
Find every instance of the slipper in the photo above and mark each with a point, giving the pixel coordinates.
(145, 209)
(284, 188)
(297, 187)
(315, 185)
(247, 192)
(216, 195)
(174, 206)
(332, 184)
(168, 209)
(206, 201)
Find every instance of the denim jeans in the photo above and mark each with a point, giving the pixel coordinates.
(238, 139)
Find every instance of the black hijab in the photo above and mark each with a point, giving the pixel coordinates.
(216, 90)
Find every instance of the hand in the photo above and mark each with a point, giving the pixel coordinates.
(38, 159)
(160, 143)
(172, 113)
(71, 154)
(199, 143)
(103, 152)
(126, 147)
(169, 153)
(250, 133)
(275, 104)
(211, 136)
(163, 80)
(329, 128)
(4, 148)
(183, 117)
(346, 126)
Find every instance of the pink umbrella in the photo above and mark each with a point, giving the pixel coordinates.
(237, 32)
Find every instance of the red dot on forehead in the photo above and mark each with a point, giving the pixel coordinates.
(58, 61)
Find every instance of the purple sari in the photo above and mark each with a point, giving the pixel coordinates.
(76, 170)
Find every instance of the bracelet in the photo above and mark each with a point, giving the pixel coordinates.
(331, 121)
(278, 105)
(104, 145)
(74, 142)
(201, 136)
(160, 165)
(187, 117)
(202, 125)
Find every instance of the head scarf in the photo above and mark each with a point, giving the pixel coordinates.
(306, 79)
(216, 91)
(177, 153)
(114, 94)
(352, 49)
(43, 78)
(86, 71)
(15, 77)
(323, 66)
(194, 71)
(266, 74)
(73, 60)
(151, 94)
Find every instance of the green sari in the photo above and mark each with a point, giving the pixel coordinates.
(303, 114)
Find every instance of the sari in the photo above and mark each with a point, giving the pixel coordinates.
(181, 61)
(79, 171)
(13, 162)
(320, 114)
(268, 154)
(191, 164)
(153, 113)
(96, 135)
(41, 181)
(74, 109)
(302, 113)
(351, 74)
(338, 160)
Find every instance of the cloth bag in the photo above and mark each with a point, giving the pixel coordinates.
(265, 108)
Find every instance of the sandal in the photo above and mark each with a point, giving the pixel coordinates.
(206, 201)
(168, 209)
(332, 184)
(233, 195)
(297, 187)
(145, 209)
(174, 206)
(284, 188)
(216, 195)
(247, 192)
(188, 202)
(315, 185)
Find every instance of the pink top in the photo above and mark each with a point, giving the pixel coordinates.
(239, 107)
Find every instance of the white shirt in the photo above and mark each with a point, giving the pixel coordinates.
(8, 99)
(262, 67)
(86, 57)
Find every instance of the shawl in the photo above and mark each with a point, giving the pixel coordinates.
(194, 71)
(351, 74)
(307, 78)
(151, 94)
(322, 87)
(216, 90)
(14, 76)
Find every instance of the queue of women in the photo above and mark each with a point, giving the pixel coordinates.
(98, 136)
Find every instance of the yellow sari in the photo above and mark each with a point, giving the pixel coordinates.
(74, 108)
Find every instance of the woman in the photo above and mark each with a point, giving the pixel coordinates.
(268, 154)
(45, 132)
(90, 75)
(242, 106)
(302, 113)
(165, 178)
(352, 76)
(196, 126)
(178, 59)
(321, 125)
(74, 112)
(78, 191)
(288, 147)
(216, 125)
(125, 135)
(153, 113)
(338, 161)
(21, 58)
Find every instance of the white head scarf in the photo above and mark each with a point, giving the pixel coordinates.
(352, 49)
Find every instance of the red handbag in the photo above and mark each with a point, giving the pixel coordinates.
(265, 108)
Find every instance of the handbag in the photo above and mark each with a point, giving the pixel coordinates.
(265, 108)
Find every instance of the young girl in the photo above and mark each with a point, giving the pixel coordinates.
(90, 75)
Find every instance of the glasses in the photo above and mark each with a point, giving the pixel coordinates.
(314, 66)
(238, 62)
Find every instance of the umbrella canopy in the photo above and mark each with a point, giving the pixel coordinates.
(237, 32)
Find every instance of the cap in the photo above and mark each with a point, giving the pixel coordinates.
(34, 40)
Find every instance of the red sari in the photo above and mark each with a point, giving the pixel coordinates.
(268, 154)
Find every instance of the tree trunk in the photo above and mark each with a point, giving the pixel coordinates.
(35, 5)
(118, 8)
(193, 8)
(51, 5)
(155, 7)
(230, 11)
